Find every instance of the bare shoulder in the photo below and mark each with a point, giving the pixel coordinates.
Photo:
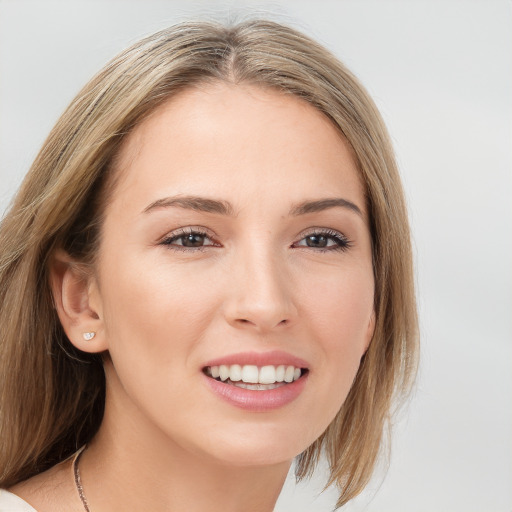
(51, 491)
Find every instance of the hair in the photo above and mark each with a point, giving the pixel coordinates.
(51, 394)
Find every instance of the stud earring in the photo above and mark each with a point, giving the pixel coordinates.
(89, 335)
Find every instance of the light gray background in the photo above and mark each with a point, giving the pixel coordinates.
(441, 72)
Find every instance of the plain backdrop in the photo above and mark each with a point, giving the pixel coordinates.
(441, 73)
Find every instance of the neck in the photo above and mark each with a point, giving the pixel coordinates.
(128, 467)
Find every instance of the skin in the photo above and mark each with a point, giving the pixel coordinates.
(162, 311)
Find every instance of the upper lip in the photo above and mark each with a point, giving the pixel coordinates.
(274, 357)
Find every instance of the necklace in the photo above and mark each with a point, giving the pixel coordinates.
(78, 480)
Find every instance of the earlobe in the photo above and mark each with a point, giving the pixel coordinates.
(72, 288)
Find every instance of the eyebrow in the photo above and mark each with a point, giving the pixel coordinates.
(199, 204)
(202, 204)
(324, 204)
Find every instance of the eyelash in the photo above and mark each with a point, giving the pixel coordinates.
(342, 243)
(182, 233)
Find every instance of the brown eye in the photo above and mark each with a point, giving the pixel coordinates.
(316, 241)
(189, 239)
(193, 240)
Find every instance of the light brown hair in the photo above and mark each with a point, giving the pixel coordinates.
(52, 395)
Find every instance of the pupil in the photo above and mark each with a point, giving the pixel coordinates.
(193, 240)
(316, 241)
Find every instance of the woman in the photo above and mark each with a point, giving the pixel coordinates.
(206, 274)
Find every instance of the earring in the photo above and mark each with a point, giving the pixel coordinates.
(89, 335)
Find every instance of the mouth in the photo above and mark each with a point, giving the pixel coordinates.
(256, 378)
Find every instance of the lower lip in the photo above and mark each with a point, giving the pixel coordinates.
(258, 401)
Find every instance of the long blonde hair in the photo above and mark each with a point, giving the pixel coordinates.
(52, 395)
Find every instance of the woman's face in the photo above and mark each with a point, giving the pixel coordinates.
(236, 242)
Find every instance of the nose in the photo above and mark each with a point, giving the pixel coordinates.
(260, 295)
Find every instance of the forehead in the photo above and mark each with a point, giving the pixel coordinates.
(225, 139)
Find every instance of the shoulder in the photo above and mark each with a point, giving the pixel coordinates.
(10, 502)
(51, 491)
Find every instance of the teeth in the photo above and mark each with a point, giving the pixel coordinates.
(224, 372)
(267, 375)
(251, 374)
(288, 374)
(235, 373)
(258, 387)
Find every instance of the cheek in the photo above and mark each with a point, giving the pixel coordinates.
(341, 307)
(340, 314)
(154, 320)
(154, 313)
(153, 293)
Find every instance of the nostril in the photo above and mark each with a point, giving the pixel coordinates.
(245, 321)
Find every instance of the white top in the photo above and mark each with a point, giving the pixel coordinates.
(9, 502)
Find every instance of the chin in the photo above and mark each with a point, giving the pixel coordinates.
(257, 445)
(255, 456)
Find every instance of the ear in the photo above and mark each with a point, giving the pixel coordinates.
(370, 331)
(78, 303)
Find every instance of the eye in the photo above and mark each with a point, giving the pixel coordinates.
(324, 240)
(188, 239)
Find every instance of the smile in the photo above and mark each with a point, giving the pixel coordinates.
(257, 382)
(258, 378)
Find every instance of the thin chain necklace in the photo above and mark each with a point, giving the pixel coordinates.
(78, 480)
